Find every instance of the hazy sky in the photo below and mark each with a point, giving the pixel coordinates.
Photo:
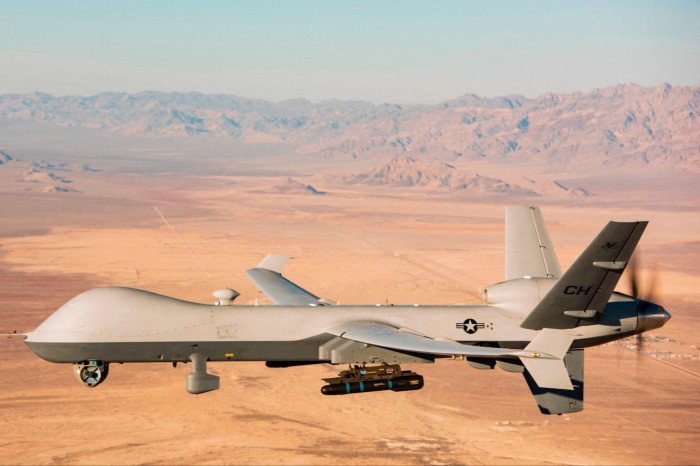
(382, 51)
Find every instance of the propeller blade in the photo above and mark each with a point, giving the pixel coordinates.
(652, 285)
(643, 295)
(633, 276)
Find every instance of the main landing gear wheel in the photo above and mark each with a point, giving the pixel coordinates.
(91, 373)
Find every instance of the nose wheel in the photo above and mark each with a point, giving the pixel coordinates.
(91, 373)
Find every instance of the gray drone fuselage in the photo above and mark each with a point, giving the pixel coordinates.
(115, 324)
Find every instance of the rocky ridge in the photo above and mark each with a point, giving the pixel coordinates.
(41, 176)
(404, 171)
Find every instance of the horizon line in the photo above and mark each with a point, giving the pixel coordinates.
(313, 102)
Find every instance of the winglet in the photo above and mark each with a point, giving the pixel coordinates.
(274, 262)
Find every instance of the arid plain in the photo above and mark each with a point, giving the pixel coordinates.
(353, 244)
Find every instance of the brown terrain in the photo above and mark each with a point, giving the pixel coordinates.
(82, 207)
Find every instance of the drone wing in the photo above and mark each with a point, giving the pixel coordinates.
(386, 336)
(268, 277)
(543, 357)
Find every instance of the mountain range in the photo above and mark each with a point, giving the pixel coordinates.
(626, 126)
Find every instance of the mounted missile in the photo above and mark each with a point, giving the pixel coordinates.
(372, 379)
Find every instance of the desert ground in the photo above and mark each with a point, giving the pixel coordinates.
(354, 244)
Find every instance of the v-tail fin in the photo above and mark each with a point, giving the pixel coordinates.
(558, 401)
(529, 249)
(582, 293)
(549, 370)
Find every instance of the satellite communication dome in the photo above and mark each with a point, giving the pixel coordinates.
(225, 296)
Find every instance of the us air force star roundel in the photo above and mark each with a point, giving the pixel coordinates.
(470, 326)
